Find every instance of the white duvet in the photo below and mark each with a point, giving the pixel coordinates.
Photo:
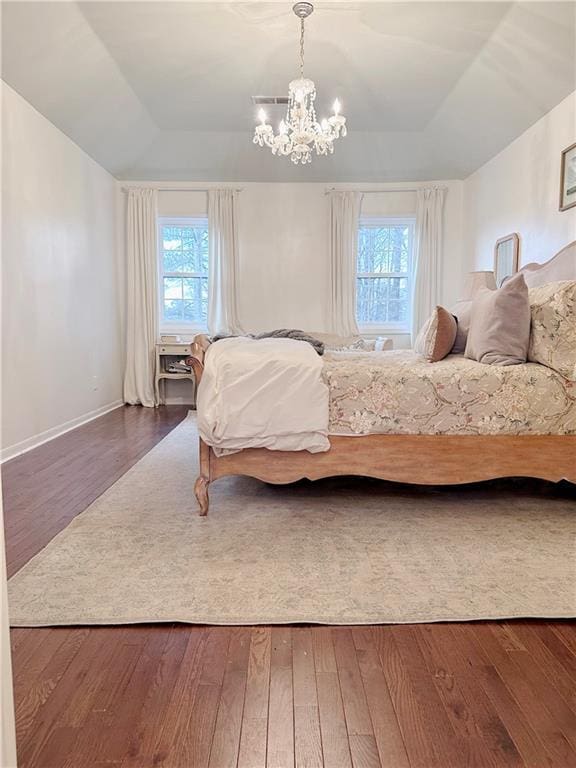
(263, 393)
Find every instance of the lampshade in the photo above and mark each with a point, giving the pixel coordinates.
(476, 280)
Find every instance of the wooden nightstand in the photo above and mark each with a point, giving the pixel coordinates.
(166, 353)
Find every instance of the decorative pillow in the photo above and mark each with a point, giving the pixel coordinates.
(356, 345)
(335, 343)
(383, 344)
(437, 335)
(500, 324)
(461, 311)
(553, 331)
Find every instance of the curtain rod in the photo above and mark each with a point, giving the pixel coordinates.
(178, 189)
(374, 191)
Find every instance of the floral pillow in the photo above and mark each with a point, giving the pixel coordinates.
(334, 343)
(553, 328)
(344, 344)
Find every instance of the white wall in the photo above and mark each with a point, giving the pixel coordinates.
(283, 250)
(283, 247)
(61, 332)
(518, 191)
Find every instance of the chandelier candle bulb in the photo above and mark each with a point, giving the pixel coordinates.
(300, 134)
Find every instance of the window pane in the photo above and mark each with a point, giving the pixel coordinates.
(204, 294)
(171, 238)
(195, 299)
(374, 251)
(189, 286)
(173, 261)
(173, 309)
(395, 287)
(204, 252)
(195, 243)
(372, 299)
(172, 288)
(382, 299)
(383, 249)
(184, 249)
(190, 262)
(397, 311)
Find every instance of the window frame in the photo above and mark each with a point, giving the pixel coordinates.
(173, 326)
(383, 221)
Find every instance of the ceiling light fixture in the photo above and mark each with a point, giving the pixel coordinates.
(300, 133)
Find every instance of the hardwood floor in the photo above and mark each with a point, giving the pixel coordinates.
(483, 694)
(45, 488)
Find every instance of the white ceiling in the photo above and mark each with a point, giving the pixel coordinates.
(161, 90)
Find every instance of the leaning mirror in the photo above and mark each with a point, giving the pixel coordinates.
(506, 257)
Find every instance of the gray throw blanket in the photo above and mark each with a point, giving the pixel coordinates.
(280, 333)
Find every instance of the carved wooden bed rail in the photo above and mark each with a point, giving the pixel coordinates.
(424, 459)
(197, 351)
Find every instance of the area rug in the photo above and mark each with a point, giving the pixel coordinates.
(341, 551)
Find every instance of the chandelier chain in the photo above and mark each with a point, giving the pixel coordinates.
(302, 47)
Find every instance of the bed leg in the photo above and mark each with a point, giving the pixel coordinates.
(203, 481)
(201, 493)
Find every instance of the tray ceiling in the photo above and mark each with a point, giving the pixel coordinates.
(162, 90)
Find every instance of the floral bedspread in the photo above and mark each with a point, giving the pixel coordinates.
(400, 392)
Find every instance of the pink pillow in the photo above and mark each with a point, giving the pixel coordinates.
(437, 336)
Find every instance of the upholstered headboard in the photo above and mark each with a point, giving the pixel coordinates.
(562, 266)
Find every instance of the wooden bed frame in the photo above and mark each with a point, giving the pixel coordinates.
(422, 459)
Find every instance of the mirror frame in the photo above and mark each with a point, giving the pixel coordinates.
(515, 238)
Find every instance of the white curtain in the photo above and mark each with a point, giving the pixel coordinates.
(223, 262)
(344, 218)
(427, 255)
(141, 297)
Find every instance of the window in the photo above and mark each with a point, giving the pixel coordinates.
(383, 276)
(183, 256)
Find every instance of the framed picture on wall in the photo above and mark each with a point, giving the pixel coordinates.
(568, 178)
(506, 252)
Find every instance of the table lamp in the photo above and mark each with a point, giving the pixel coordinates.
(476, 280)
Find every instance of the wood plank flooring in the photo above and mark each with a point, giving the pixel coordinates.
(483, 694)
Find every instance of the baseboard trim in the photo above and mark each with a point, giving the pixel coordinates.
(11, 451)
(180, 401)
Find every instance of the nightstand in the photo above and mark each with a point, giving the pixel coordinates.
(165, 354)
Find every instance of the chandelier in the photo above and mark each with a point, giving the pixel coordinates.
(299, 134)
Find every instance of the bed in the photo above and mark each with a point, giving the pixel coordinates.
(470, 422)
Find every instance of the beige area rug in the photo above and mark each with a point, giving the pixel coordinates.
(342, 551)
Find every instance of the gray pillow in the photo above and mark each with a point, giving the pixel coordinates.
(500, 324)
(461, 311)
